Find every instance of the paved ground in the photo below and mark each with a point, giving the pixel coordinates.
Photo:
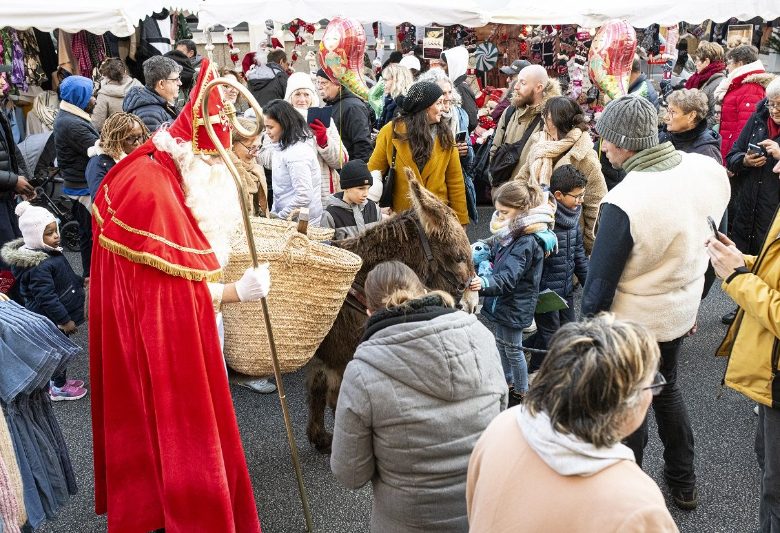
(724, 429)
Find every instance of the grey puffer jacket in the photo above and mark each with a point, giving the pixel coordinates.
(424, 383)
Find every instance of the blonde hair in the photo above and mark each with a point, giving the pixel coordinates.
(247, 124)
(707, 50)
(115, 129)
(690, 100)
(518, 194)
(401, 76)
(592, 377)
(393, 284)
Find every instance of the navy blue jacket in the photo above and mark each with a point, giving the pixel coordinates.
(97, 168)
(46, 282)
(560, 268)
(513, 288)
(149, 106)
(699, 140)
(73, 136)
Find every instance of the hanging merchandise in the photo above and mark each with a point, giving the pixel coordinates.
(407, 37)
(233, 50)
(341, 54)
(303, 34)
(48, 56)
(182, 28)
(486, 56)
(611, 56)
(90, 51)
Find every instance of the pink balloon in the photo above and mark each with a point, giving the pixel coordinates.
(610, 57)
(341, 54)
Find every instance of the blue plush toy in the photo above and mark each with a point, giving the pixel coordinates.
(480, 256)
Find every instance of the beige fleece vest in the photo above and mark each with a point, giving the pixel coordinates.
(662, 281)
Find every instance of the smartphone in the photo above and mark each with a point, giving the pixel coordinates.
(756, 149)
(713, 226)
(460, 137)
(322, 113)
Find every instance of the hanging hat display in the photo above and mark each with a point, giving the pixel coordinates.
(486, 55)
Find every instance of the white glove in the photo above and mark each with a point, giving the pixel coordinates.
(254, 284)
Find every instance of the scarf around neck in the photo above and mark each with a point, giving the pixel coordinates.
(700, 78)
(656, 159)
(545, 153)
(536, 220)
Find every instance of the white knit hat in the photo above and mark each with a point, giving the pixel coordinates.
(301, 80)
(33, 221)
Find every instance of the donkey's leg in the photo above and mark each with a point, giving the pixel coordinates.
(317, 387)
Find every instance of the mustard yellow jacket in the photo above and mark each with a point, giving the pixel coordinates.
(752, 342)
(442, 174)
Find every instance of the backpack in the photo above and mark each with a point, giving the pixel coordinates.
(508, 154)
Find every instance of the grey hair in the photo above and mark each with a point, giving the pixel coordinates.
(773, 89)
(690, 100)
(438, 76)
(158, 68)
(743, 54)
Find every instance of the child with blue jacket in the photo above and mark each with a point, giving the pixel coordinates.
(521, 228)
(47, 283)
(567, 185)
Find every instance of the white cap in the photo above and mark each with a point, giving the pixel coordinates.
(410, 62)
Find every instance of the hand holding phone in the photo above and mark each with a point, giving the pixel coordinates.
(460, 137)
(756, 149)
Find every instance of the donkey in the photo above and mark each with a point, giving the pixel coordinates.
(430, 240)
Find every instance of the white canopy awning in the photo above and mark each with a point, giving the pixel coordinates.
(120, 17)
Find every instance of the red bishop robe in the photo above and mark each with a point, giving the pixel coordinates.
(167, 450)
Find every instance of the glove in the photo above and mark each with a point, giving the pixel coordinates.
(254, 284)
(320, 132)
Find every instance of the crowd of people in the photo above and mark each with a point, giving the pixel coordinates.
(667, 192)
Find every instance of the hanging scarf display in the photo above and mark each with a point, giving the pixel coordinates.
(17, 61)
(90, 51)
(33, 70)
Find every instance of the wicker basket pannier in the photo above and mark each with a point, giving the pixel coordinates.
(309, 282)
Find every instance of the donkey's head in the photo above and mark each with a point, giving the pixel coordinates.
(450, 267)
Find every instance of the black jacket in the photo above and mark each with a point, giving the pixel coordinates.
(469, 102)
(97, 168)
(513, 288)
(759, 190)
(73, 136)
(353, 120)
(560, 268)
(9, 161)
(150, 107)
(699, 140)
(271, 86)
(46, 282)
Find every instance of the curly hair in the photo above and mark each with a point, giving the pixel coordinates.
(690, 100)
(115, 129)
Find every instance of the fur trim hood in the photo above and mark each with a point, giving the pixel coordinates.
(16, 254)
(761, 78)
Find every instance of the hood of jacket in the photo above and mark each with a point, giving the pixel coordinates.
(567, 454)
(761, 78)
(16, 254)
(439, 356)
(138, 97)
(457, 62)
(118, 89)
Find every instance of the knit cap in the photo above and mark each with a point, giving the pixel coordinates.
(32, 222)
(301, 80)
(410, 62)
(77, 90)
(420, 97)
(322, 74)
(355, 173)
(630, 122)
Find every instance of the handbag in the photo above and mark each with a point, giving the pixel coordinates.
(508, 155)
(386, 200)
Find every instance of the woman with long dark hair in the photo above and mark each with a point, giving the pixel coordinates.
(418, 139)
(288, 149)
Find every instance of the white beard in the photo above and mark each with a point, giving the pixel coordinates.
(209, 192)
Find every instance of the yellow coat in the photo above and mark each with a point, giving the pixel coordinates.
(442, 174)
(753, 340)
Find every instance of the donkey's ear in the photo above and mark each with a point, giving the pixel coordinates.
(433, 214)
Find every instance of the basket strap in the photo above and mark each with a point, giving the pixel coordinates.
(356, 298)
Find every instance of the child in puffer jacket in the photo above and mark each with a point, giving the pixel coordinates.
(522, 236)
(47, 283)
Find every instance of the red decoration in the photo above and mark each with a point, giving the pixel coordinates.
(610, 57)
(341, 54)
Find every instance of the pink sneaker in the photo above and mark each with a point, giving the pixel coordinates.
(75, 383)
(66, 393)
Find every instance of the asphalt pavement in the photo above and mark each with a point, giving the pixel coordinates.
(724, 427)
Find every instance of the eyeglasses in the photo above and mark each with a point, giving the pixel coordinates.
(580, 197)
(252, 150)
(659, 381)
(177, 79)
(136, 139)
(772, 105)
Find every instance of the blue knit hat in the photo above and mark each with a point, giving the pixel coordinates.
(77, 90)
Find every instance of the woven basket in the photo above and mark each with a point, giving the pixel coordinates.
(276, 226)
(309, 282)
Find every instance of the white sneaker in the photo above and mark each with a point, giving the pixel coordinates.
(530, 329)
(261, 386)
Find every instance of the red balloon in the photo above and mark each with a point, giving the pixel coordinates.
(610, 57)
(341, 54)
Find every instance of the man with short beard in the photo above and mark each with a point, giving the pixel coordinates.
(167, 450)
(532, 89)
(74, 134)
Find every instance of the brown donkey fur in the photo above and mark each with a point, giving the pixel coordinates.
(396, 238)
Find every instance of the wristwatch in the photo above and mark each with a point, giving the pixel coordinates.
(737, 272)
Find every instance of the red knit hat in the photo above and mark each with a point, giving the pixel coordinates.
(190, 124)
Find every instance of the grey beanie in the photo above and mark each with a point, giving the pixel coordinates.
(630, 122)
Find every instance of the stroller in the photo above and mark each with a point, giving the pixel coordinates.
(38, 154)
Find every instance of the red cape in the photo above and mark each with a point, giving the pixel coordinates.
(167, 450)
